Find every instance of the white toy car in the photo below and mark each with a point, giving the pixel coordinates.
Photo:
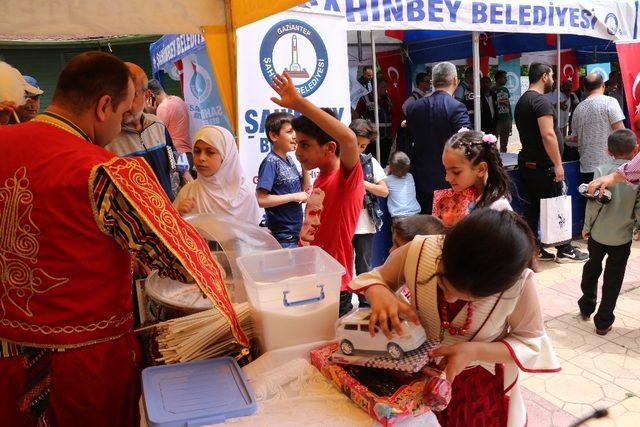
(353, 335)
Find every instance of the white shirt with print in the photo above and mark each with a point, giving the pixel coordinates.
(591, 123)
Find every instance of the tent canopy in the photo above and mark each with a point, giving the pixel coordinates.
(434, 46)
(216, 20)
(91, 18)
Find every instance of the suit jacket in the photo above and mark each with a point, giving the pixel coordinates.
(488, 122)
(431, 121)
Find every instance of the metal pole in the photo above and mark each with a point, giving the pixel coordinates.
(476, 81)
(359, 35)
(558, 82)
(375, 93)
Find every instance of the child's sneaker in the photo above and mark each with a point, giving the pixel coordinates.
(573, 254)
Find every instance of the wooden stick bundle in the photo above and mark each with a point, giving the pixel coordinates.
(200, 336)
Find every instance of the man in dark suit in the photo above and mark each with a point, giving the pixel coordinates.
(366, 79)
(430, 122)
(488, 107)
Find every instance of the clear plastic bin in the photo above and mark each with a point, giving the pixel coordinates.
(294, 294)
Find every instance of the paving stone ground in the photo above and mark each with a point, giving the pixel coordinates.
(598, 372)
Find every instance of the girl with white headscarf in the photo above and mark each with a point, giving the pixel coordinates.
(220, 187)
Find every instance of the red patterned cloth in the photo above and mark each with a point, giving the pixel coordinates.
(477, 400)
(134, 178)
(71, 214)
(81, 394)
(451, 207)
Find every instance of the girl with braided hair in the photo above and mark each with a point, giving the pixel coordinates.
(471, 160)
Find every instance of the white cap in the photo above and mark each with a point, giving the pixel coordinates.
(31, 85)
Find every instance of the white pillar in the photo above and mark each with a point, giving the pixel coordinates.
(558, 76)
(375, 94)
(476, 81)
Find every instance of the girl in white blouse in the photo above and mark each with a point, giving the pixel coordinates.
(473, 290)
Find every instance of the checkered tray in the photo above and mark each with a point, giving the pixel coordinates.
(411, 362)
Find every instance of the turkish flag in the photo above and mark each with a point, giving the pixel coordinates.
(484, 65)
(629, 58)
(179, 67)
(569, 69)
(486, 45)
(396, 34)
(551, 39)
(392, 68)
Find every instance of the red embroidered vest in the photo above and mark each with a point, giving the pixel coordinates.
(63, 281)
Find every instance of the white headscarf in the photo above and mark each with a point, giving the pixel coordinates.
(226, 191)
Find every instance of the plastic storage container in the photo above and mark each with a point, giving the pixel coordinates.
(196, 393)
(294, 294)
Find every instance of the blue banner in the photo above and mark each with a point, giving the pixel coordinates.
(172, 47)
(513, 79)
(201, 92)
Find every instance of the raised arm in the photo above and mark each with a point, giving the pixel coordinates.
(343, 136)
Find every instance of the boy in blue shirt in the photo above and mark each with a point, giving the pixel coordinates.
(609, 228)
(281, 187)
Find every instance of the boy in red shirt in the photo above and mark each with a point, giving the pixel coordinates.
(333, 209)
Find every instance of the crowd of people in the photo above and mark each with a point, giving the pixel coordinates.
(67, 350)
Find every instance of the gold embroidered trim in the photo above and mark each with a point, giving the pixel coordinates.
(63, 347)
(19, 247)
(49, 330)
(58, 124)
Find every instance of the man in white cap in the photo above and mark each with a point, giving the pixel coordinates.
(32, 92)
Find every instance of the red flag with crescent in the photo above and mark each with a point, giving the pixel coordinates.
(484, 65)
(486, 45)
(569, 69)
(392, 68)
(629, 58)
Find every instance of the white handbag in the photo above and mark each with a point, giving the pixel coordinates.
(555, 220)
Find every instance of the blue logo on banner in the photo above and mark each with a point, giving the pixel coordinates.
(295, 33)
(611, 22)
(200, 83)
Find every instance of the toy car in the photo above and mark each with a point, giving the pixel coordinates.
(353, 335)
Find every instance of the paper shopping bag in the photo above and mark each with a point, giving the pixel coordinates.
(555, 220)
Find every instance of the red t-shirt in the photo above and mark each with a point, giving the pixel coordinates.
(331, 215)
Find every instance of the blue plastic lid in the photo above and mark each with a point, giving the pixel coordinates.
(196, 393)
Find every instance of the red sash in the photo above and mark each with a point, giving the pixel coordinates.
(135, 180)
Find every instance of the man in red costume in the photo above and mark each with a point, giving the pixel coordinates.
(71, 216)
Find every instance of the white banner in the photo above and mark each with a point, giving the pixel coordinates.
(606, 19)
(313, 48)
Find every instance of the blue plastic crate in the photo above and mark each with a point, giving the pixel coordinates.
(196, 393)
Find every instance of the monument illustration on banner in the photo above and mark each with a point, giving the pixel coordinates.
(295, 69)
